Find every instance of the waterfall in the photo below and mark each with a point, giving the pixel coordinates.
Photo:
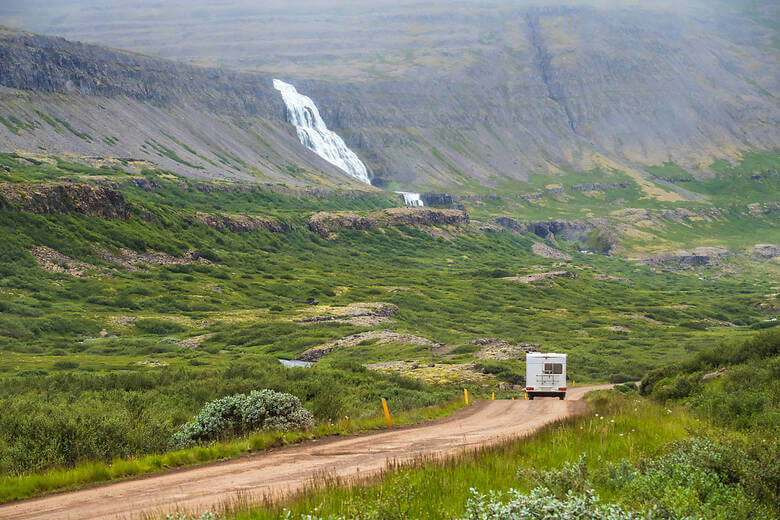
(411, 199)
(314, 134)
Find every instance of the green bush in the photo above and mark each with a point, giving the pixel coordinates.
(157, 326)
(65, 365)
(241, 413)
(728, 477)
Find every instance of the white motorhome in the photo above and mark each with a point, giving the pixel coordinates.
(545, 375)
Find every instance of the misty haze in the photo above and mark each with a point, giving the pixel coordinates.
(389, 259)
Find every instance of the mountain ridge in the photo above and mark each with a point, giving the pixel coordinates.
(555, 89)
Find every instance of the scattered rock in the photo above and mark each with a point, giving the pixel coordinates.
(757, 209)
(440, 349)
(383, 336)
(87, 199)
(153, 363)
(537, 277)
(619, 328)
(362, 314)
(130, 259)
(767, 251)
(195, 341)
(123, 321)
(713, 375)
(548, 252)
(499, 349)
(645, 318)
(241, 223)
(601, 276)
(55, 262)
(602, 186)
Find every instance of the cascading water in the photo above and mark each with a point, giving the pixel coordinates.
(314, 134)
(411, 199)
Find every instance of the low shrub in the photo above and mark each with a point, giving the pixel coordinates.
(157, 326)
(241, 413)
(542, 504)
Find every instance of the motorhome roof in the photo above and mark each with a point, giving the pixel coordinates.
(544, 354)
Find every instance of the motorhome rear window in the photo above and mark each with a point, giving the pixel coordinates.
(553, 368)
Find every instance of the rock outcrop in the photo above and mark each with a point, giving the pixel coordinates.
(600, 186)
(499, 349)
(87, 199)
(538, 277)
(326, 223)
(241, 223)
(437, 199)
(573, 230)
(701, 256)
(379, 336)
(766, 251)
(364, 314)
(546, 251)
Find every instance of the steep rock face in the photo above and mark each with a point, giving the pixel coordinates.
(55, 65)
(93, 201)
(436, 199)
(567, 229)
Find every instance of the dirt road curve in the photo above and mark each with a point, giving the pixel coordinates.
(285, 470)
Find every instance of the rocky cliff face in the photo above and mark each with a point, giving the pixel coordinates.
(99, 105)
(55, 65)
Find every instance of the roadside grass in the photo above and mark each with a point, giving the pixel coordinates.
(37, 484)
(616, 427)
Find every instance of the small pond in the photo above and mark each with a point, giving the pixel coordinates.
(296, 363)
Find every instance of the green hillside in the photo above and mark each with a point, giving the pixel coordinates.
(130, 301)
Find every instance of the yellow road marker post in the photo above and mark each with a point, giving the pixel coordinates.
(492, 396)
(387, 413)
(466, 396)
(525, 395)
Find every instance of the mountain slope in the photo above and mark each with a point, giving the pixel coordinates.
(109, 107)
(468, 97)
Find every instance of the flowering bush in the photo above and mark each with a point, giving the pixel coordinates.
(242, 413)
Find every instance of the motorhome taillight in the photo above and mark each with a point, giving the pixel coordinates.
(562, 389)
(529, 388)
